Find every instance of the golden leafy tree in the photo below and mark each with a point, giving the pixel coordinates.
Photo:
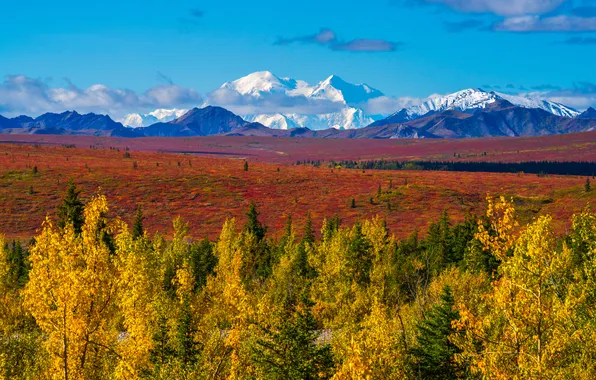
(523, 329)
(72, 295)
(138, 301)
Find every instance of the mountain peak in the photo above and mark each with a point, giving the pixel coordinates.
(590, 113)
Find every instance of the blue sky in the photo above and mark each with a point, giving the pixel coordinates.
(415, 47)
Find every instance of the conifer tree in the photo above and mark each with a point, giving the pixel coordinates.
(245, 166)
(18, 265)
(253, 225)
(309, 235)
(137, 227)
(71, 209)
(434, 354)
(186, 346)
(587, 186)
(202, 262)
(289, 348)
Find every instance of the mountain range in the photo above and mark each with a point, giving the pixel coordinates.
(500, 118)
(334, 103)
(464, 114)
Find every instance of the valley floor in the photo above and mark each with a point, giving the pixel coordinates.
(206, 188)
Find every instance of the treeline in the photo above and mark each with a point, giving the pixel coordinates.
(578, 168)
(91, 298)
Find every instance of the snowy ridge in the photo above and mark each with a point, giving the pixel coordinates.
(333, 89)
(473, 99)
(162, 115)
(345, 118)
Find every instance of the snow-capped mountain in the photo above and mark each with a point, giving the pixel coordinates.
(345, 118)
(264, 82)
(473, 99)
(335, 90)
(162, 115)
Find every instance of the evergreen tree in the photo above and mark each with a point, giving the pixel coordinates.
(309, 235)
(162, 351)
(353, 204)
(202, 262)
(245, 166)
(253, 225)
(289, 348)
(434, 353)
(186, 347)
(360, 256)
(587, 186)
(18, 265)
(137, 227)
(439, 244)
(70, 212)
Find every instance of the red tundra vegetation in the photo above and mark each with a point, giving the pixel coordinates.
(206, 188)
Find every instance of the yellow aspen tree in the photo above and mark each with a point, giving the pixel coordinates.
(140, 290)
(71, 294)
(501, 215)
(231, 310)
(372, 350)
(525, 308)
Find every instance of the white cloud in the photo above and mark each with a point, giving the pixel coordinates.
(502, 7)
(386, 105)
(20, 94)
(581, 96)
(561, 23)
(268, 103)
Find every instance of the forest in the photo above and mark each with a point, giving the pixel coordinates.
(533, 167)
(90, 297)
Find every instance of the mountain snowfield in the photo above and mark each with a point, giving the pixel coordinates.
(473, 99)
(162, 115)
(347, 100)
(345, 95)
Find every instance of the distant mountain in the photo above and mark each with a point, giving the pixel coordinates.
(471, 100)
(69, 122)
(590, 113)
(336, 89)
(496, 118)
(584, 122)
(345, 96)
(381, 132)
(196, 122)
(162, 115)
(499, 118)
(6, 123)
(344, 118)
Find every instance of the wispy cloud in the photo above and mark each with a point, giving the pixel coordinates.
(507, 8)
(270, 103)
(460, 26)
(20, 94)
(546, 87)
(328, 38)
(581, 96)
(560, 23)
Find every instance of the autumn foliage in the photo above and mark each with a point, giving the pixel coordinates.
(112, 301)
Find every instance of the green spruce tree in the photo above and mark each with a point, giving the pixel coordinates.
(434, 352)
(289, 348)
(70, 212)
(137, 227)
